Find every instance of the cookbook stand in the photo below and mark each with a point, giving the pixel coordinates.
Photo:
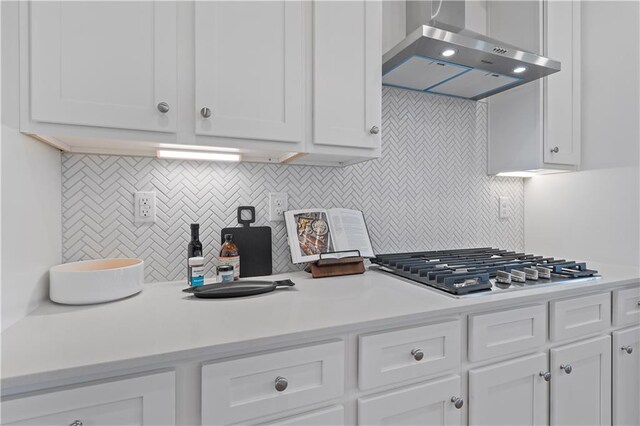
(338, 263)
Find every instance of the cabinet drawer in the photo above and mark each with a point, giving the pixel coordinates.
(395, 356)
(147, 400)
(332, 416)
(430, 403)
(506, 332)
(626, 306)
(580, 316)
(245, 388)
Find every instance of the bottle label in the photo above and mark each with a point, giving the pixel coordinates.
(197, 276)
(232, 261)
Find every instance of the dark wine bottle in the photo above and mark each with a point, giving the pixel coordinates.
(194, 249)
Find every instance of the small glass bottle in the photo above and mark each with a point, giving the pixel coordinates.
(230, 255)
(194, 249)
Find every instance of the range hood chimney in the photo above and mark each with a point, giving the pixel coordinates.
(440, 55)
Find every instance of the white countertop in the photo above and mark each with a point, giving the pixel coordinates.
(163, 323)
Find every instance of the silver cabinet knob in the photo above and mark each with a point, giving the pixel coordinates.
(555, 149)
(75, 423)
(205, 112)
(458, 402)
(627, 349)
(417, 354)
(163, 107)
(567, 368)
(374, 130)
(281, 383)
(546, 375)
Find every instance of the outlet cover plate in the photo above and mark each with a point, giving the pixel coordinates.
(504, 207)
(144, 207)
(278, 204)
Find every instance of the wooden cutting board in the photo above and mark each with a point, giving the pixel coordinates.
(254, 245)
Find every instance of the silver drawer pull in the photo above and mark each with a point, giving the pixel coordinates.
(75, 423)
(205, 112)
(555, 150)
(163, 107)
(546, 375)
(374, 130)
(458, 402)
(281, 383)
(627, 349)
(417, 354)
(567, 368)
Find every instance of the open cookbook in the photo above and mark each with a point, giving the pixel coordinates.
(312, 232)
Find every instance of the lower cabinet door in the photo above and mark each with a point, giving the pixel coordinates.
(146, 400)
(510, 393)
(332, 416)
(626, 377)
(437, 402)
(581, 383)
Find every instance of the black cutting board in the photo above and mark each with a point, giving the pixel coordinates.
(254, 245)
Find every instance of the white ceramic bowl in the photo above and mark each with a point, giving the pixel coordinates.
(95, 281)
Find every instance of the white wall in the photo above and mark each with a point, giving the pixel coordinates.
(31, 187)
(595, 214)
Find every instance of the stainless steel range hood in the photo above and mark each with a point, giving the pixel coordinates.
(444, 57)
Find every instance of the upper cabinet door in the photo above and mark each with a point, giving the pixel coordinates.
(347, 55)
(104, 64)
(562, 89)
(581, 383)
(250, 69)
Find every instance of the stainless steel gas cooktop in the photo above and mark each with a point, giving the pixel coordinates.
(481, 271)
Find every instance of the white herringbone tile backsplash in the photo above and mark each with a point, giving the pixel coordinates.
(429, 190)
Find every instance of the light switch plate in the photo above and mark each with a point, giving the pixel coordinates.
(278, 204)
(504, 207)
(144, 207)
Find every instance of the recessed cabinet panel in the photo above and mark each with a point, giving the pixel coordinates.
(406, 354)
(146, 400)
(244, 388)
(250, 69)
(426, 404)
(347, 73)
(579, 316)
(502, 333)
(581, 383)
(626, 306)
(510, 393)
(104, 64)
(562, 89)
(626, 377)
(332, 416)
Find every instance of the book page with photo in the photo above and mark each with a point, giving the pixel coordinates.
(312, 232)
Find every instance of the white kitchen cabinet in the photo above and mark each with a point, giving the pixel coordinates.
(347, 55)
(250, 70)
(102, 64)
(240, 389)
(145, 400)
(514, 392)
(581, 383)
(579, 316)
(536, 127)
(406, 354)
(332, 416)
(433, 403)
(626, 377)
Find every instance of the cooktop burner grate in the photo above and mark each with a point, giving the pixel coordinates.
(482, 270)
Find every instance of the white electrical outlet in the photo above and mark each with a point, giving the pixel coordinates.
(504, 207)
(144, 207)
(278, 204)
